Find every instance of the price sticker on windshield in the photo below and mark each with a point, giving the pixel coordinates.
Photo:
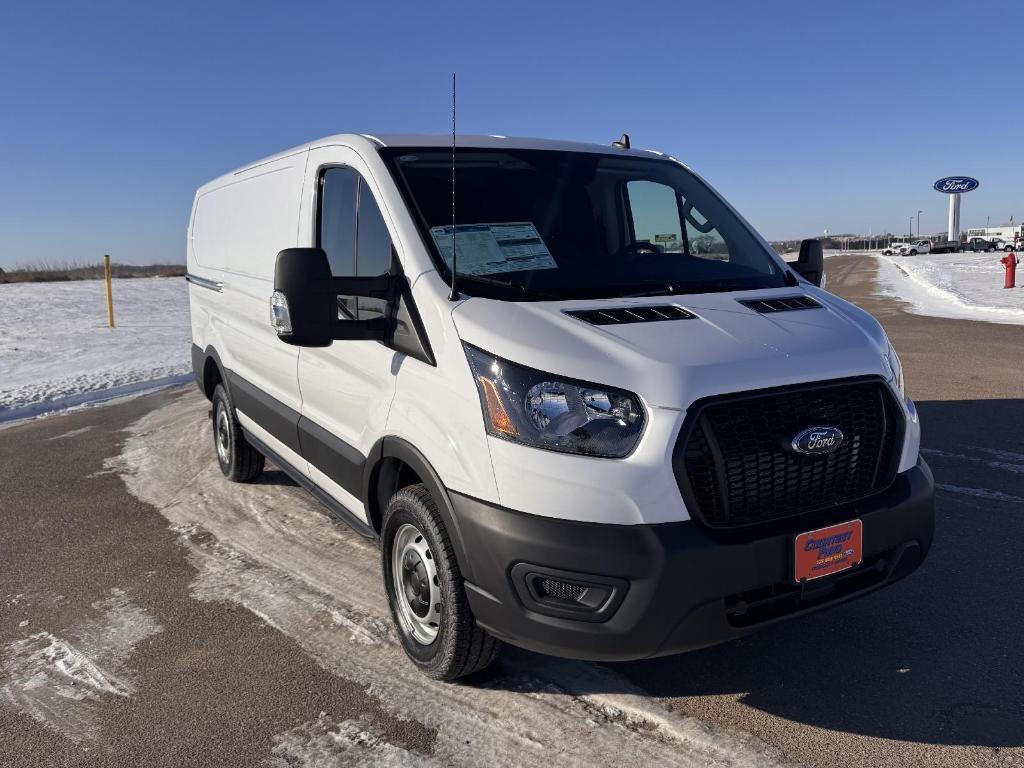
(487, 249)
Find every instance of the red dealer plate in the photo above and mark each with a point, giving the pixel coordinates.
(829, 550)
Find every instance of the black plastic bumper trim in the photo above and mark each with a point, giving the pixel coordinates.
(267, 411)
(681, 575)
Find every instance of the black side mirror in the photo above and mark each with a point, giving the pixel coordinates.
(304, 305)
(811, 263)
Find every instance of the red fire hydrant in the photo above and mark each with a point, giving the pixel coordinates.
(1010, 261)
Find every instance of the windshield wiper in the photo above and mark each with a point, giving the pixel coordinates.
(519, 288)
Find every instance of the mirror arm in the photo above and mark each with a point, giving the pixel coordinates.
(356, 330)
(379, 287)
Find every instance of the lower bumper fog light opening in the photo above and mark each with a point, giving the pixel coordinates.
(568, 594)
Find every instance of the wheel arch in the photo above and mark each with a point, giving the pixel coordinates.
(208, 370)
(394, 463)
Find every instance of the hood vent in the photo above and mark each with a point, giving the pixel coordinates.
(622, 315)
(782, 304)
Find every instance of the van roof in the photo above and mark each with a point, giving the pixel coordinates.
(368, 141)
(492, 141)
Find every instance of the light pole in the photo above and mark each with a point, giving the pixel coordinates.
(919, 223)
(910, 226)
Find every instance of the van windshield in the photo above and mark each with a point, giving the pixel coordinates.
(543, 224)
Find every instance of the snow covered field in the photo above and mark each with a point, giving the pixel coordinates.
(56, 350)
(962, 286)
(967, 286)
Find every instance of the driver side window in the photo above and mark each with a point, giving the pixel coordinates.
(353, 234)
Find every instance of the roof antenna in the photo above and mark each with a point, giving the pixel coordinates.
(454, 295)
(623, 142)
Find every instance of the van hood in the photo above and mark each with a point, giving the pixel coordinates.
(726, 347)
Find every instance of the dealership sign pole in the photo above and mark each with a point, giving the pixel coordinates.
(954, 186)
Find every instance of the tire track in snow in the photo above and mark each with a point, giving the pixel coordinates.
(59, 681)
(351, 743)
(268, 547)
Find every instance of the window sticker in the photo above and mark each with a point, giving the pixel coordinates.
(486, 249)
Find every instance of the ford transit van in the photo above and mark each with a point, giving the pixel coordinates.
(585, 409)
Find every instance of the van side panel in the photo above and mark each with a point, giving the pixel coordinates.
(239, 225)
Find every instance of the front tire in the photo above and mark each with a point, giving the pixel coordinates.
(912, 253)
(425, 591)
(238, 460)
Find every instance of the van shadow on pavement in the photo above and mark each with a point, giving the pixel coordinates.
(934, 659)
(274, 476)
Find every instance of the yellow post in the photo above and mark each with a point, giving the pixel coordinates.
(110, 296)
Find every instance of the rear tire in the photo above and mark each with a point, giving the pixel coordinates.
(425, 590)
(238, 460)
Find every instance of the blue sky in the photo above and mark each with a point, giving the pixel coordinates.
(806, 115)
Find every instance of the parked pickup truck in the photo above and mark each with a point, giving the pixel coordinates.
(948, 246)
(915, 247)
(977, 244)
(893, 248)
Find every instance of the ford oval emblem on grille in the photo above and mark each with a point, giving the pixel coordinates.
(815, 441)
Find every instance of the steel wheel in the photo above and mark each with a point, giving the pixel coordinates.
(222, 434)
(417, 588)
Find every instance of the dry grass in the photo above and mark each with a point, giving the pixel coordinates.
(45, 272)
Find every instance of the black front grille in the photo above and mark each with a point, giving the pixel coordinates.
(735, 464)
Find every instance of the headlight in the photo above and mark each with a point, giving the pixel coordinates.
(545, 411)
(896, 369)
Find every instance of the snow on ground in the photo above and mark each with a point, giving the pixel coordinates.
(966, 286)
(59, 681)
(57, 351)
(962, 286)
(321, 743)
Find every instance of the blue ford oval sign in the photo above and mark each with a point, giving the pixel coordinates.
(952, 185)
(815, 441)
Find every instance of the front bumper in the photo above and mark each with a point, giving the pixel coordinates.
(678, 586)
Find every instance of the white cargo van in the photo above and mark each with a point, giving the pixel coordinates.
(622, 428)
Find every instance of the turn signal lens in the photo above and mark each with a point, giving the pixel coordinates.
(280, 316)
(495, 410)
